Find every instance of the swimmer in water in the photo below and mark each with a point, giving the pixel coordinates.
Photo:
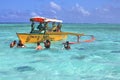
(39, 47)
(20, 44)
(47, 44)
(66, 45)
(12, 44)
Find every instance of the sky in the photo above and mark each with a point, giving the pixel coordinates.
(70, 11)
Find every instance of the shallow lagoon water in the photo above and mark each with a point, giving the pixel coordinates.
(98, 60)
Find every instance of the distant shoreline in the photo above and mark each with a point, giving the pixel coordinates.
(63, 23)
(14, 22)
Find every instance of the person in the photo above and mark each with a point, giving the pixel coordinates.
(47, 44)
(20, 44)
(39, 47)
(32, 27)
(12, 44)
(45, 27)
(59, 27)
(40, 27)
(66, 45)
(54, 27)
(78, 39)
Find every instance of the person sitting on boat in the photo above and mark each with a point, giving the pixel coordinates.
(32, 27)
(58, 29)
(12, 44)
(39, 47)
(40, 26)
(47, 44)
(20, 44)
(66, 45)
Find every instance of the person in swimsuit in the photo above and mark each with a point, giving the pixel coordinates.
(39, 47)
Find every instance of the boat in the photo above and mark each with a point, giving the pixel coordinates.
(44, 32)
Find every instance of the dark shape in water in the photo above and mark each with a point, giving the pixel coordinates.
(115, 51)
(116, 41)
(80, 48)
(36, 61)
(78, 57)
(99, 40)
(24, 68)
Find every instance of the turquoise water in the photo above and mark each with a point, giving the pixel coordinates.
(98, 60)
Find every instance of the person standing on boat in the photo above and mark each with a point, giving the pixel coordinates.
(47, 44)
(40, 26)
(39, 47)
(32, 27)
(45, 27)
(58, 29)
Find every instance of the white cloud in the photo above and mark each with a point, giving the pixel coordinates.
(34, 14)
(53, 11)
(9, 14)
(14, 16)
(81, 10)
(55, 6)
(105, 9)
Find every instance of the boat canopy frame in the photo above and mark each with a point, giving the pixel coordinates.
(43, 19)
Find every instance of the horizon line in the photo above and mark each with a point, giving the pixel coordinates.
(63, 23)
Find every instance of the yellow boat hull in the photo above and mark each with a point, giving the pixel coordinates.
(33, 38)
